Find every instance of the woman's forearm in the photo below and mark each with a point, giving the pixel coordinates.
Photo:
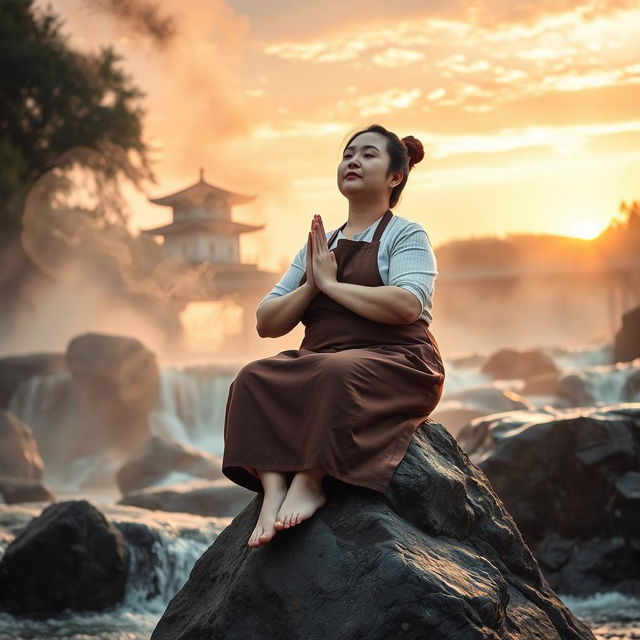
(276, 317)
(387, 303)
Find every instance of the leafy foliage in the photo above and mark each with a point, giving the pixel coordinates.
(55, 100)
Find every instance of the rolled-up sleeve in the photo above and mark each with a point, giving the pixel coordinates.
(412, 263)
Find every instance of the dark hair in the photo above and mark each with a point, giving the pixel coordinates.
(403, 154)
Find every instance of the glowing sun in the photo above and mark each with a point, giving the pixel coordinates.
(586, 229)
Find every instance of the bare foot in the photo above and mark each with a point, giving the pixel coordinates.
(275, 492)
(304, 498)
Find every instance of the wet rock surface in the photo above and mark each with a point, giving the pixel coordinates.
(437, 557)
(571, 481)
(69, 557)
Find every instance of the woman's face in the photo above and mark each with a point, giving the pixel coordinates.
(367, 157)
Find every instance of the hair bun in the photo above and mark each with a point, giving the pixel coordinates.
(414, 149)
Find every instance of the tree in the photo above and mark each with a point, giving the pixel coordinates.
(632, 211)
(54, 100)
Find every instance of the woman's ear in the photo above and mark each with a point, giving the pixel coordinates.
(397, 178)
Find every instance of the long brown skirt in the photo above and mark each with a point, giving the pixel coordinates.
(349, 411)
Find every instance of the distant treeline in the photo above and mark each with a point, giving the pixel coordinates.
(620, 240)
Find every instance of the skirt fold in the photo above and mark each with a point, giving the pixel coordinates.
(350, 412)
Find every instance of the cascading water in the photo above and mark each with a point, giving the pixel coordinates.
(164, 546)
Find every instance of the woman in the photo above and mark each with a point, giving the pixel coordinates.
(368, 371)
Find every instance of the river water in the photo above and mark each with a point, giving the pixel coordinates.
(191, 409)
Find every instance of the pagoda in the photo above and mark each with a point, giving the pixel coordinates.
(203, 233)
(202, 229)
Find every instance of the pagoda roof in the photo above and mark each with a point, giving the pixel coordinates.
(201, 193)
(222, 227)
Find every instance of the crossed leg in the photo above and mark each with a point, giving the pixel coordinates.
(283, 508)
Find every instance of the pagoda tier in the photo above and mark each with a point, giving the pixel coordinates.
(202, 229)
(203, 196)
(221, 227)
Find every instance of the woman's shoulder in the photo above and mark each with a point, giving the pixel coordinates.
(402, 224)
(404, 229)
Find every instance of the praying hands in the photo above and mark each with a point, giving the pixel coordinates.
(322, 266)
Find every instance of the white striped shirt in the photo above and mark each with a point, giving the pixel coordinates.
(405, 259)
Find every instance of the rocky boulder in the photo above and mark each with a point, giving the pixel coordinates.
(437, 556)
(159, 458)
(571, 482)
(19, 454)
(626, 344)
(117, 379)
(69, 557)
(16, 490)
(217, 498)
(508, 364)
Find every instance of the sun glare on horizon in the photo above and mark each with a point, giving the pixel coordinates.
(585, 229)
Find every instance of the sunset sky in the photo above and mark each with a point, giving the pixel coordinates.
(527, 110)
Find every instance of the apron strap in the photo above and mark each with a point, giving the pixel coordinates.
(382, 225)
(335, 235)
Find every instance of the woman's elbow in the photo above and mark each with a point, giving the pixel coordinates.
(261, 328)
(413, 308)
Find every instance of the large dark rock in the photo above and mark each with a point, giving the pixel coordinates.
(521, 364)
(571, 483)
(626, 343)
(15, 490)
(159, 457)
(118, 380)
(14, 370)
(435, 557)
(69, 557)
(218, 498)
(19, 454)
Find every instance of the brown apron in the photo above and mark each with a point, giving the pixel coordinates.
(347, 401)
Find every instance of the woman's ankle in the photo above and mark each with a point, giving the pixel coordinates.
(272, 480)
(312, 478)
